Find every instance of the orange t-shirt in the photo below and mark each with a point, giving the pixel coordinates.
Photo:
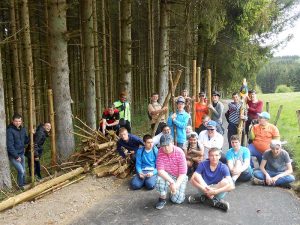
(264, 136)
(200, 111)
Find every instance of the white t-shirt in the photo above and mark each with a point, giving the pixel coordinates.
(216, 141)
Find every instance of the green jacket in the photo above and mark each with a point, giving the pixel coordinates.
(124, 109)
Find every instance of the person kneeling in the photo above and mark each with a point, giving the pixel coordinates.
(172, 168)
(212, 179)
(275, 168)
(145, 165)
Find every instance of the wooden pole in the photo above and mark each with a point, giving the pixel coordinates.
(167, 99)
(27, 195)
(198, 86)
(208, 86)
(30, 98)
(174, 108)
(278, 114)
(194, 89)
(298, 116)
(268, 107)
(52, 121)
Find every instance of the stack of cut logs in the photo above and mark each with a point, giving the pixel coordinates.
(98, 151)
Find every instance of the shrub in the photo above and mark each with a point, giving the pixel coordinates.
(283, 89)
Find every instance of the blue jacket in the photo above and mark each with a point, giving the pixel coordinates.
(16, 139)
(39, 139)
(181, 123)
(132, 144)
(146, 161)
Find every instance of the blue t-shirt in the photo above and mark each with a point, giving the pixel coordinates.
(212, 177)
(241, 155)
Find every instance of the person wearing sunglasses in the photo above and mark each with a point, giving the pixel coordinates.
(210, 138)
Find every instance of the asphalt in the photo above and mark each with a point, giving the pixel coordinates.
(249, 205)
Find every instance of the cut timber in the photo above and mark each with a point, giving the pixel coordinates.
(121, 169)
(38, 189)
(125, 173)
(104, 146)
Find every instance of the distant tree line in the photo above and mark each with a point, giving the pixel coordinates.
(280, 71)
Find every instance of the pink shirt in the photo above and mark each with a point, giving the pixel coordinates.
(174, 163)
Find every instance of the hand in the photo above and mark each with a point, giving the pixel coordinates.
(210, 192)
(173, 188)
(36, 159)
(149, 174)
(142, 176)
(165, 109)
(210, 106)
(269, 180)
(274, 179)
(173, 116)
(19, 159)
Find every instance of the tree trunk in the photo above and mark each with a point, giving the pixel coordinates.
(97, 64)
(89, 62)
(111, 72)
(15, 61)
(126, 42)
(151, 44)
(28, 48)
(5, 181)
(104, 53)
(60, 78)
(188, 45)
(164, 50)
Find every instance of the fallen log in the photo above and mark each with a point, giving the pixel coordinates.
(30, 194)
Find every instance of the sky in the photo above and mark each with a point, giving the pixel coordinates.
(293, 46)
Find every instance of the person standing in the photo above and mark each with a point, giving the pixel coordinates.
(17, 139)
(233, 116)
(217, 109)
(154, 110)
(255, 106)
(42, 132)
(123, 106)
(179, 121)
(201, 109)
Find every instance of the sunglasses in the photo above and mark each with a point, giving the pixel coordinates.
(210, 129)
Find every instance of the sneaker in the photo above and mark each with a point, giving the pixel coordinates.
(161, 203)
(22, 188)
(221, 204)
(194, 199)
(257, 181)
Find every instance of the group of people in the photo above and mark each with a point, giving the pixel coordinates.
(167, 160)
(18, 147)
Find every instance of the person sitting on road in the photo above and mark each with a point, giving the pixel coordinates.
(261, 135)
(172, 168)
(179, 120)
(238, 160)
(165, 129)
(154, 110)
(217, 109)
(188, 130)
(210, 138)
(212, 179)
(110, 119)
(194, 152)
(276, 167)
(129, 142)
(145, 165)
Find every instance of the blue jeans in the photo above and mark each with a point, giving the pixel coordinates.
(254, 152)
(148, 182)
(282, 181)
(20, 167)
(245, 175)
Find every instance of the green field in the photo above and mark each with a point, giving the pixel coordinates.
(288, 124)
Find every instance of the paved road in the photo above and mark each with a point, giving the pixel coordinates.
(249, 205)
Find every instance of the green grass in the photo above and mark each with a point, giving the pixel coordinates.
(288, 124)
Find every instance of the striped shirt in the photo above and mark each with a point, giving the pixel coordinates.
(173, 163)
(234, 112)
